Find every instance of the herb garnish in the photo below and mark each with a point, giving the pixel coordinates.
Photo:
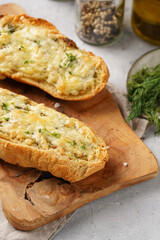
(27, 101)
(21, 47)
(83, 147)
(31, 61)
(54, 134)
(70, 59)
(7, 119)
(144, 95)
(27, 132)
(38, 42)
(11, 29)
(27, 61)
(4, 106)
(73, 143)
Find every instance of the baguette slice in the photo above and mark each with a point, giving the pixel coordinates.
(33, 51)
(33, 135)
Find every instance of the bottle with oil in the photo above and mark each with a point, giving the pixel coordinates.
(146, 20)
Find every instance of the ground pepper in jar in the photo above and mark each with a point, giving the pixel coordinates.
(100, 22)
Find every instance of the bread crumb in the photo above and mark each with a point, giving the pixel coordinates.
(46, 196)
(57, 105)
(108, 147)
(125, 164)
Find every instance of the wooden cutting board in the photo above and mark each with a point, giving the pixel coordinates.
(31, 198)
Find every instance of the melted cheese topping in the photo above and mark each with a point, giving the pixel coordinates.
(36, 53)
(25, 122)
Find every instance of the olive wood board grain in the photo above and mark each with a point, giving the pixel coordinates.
(31, 198)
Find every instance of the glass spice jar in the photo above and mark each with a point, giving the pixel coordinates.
(99, 21)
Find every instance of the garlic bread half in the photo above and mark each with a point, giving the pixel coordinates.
(33, 51)
(33, 135)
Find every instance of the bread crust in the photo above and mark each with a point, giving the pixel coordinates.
(51, 89)
(61, 166)
(30, 157)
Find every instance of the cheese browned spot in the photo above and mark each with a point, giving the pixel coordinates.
(30, 51)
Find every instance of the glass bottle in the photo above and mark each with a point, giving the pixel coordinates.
(146, 20)
(99, 21)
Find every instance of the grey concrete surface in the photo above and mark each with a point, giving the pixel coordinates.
(132, 213)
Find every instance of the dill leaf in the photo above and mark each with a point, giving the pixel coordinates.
(144, 95)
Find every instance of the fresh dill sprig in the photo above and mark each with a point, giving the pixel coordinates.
(144, 95)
